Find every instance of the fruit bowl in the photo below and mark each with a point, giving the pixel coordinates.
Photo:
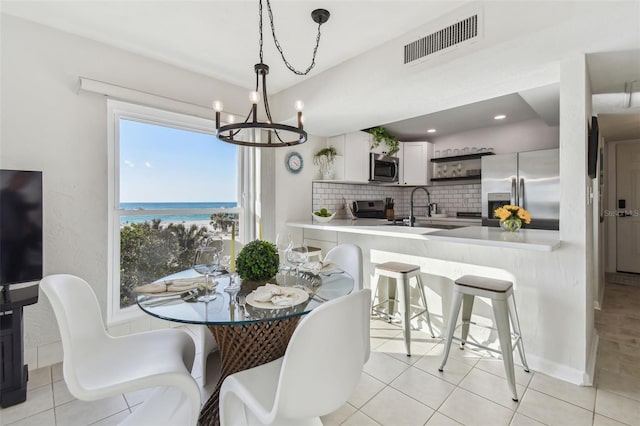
(322, 218)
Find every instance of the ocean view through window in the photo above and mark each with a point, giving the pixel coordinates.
(174, 184)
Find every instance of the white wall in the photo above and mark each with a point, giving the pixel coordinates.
(293, 191)
(47, 126)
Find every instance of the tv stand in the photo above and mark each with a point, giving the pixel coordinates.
(14, 374)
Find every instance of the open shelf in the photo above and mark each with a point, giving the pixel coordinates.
(443, 179)
(459, 158)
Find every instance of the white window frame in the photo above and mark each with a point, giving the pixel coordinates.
(117, 110)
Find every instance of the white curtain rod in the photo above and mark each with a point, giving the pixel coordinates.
(137, 96)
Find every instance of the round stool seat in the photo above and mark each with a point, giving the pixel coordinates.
(484, 283)
(401, 268)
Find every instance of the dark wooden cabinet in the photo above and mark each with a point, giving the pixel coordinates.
(14, 374)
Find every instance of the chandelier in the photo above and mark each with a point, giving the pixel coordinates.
(252, 132)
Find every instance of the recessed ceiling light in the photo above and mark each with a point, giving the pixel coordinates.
(500, 117)
(431, 131)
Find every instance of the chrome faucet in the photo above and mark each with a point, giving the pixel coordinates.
(412, 218)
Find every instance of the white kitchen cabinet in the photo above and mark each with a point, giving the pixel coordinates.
(353, 147)
(414, 163)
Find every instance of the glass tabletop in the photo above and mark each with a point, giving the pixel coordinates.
(240, 307)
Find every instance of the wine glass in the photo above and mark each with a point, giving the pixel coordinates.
(206, 262)
(233, 286)
(298, 257)
(284, 243)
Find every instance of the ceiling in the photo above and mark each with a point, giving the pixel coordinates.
(220, 39)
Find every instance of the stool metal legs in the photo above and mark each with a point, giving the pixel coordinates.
(501, 314)
(402, 287)
(423, 296)
(456, 302)
(505, 315)
(403, 298)
(515, 323)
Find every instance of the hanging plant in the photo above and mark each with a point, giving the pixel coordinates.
(380, 135)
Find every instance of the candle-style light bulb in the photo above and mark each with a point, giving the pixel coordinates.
(254, 97)
(217, 107)
(299, 105)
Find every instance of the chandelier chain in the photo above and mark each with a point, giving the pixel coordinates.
(277, 43)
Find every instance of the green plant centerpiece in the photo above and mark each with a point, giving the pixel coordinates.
(380, 135)
(325, 158)
(258, 261)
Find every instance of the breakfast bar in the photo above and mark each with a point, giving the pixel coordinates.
(531, 259)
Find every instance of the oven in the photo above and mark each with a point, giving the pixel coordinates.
(383, 168)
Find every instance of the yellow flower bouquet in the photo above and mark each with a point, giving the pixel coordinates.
(512, 217)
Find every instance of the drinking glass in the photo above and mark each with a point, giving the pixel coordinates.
(206, 262)
(298, 257)
(234, 285)
(284, 243)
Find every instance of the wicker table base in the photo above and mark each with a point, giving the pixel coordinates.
(244, 346)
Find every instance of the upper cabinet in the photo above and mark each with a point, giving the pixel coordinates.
(353, 151)
(414, 163)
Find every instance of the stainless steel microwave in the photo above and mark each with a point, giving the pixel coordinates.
(383, 168)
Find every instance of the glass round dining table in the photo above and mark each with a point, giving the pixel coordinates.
(248, 332)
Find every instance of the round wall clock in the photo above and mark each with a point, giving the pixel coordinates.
(294, 162)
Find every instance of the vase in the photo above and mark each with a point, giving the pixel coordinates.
(511, 225)
(327, 174)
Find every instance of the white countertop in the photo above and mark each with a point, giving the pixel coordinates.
(525, 239)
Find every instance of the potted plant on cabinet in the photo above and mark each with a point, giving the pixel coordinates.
(380, 135)
(325, 158)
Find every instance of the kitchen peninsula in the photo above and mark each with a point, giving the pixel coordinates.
(530, 259)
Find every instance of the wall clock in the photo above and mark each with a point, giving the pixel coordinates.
(294, 162)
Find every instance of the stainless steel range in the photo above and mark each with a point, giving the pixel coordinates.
(371, 209)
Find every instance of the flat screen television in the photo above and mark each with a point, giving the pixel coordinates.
(20, 226)
(592, 153)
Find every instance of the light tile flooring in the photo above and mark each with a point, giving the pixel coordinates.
(398, 390)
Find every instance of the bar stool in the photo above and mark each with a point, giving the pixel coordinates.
(311, 252)
(402, 273)
(504, 308)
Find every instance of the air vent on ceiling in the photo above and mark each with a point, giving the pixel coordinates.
(438, 41)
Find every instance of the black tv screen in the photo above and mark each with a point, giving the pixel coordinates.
(592, 153)
(20, 226)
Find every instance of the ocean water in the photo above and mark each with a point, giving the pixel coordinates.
(175, 218)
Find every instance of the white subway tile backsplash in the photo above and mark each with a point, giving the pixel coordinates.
(452, 198)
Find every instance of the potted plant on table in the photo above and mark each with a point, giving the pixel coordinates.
(325, 158)
(256, 263)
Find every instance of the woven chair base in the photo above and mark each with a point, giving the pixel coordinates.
(244, 346)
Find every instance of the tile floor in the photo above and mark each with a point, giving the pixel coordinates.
(396, 390)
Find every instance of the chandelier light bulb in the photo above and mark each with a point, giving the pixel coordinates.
(299, 106)
(254, 97)
(230, 119)
(217, 106)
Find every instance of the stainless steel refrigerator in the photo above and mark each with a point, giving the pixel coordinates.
(528, 179)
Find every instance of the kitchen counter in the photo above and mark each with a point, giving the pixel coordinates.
(525, 239)
(541, 268)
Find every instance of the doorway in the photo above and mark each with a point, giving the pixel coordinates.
(628, 208)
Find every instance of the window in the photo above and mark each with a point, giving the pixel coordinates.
(172, 182)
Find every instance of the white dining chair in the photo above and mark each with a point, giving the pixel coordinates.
(348, 257)
(317, 374)
(97, 365)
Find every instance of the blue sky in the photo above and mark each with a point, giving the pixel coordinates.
(162, 164)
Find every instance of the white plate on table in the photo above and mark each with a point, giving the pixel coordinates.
(298, 295)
